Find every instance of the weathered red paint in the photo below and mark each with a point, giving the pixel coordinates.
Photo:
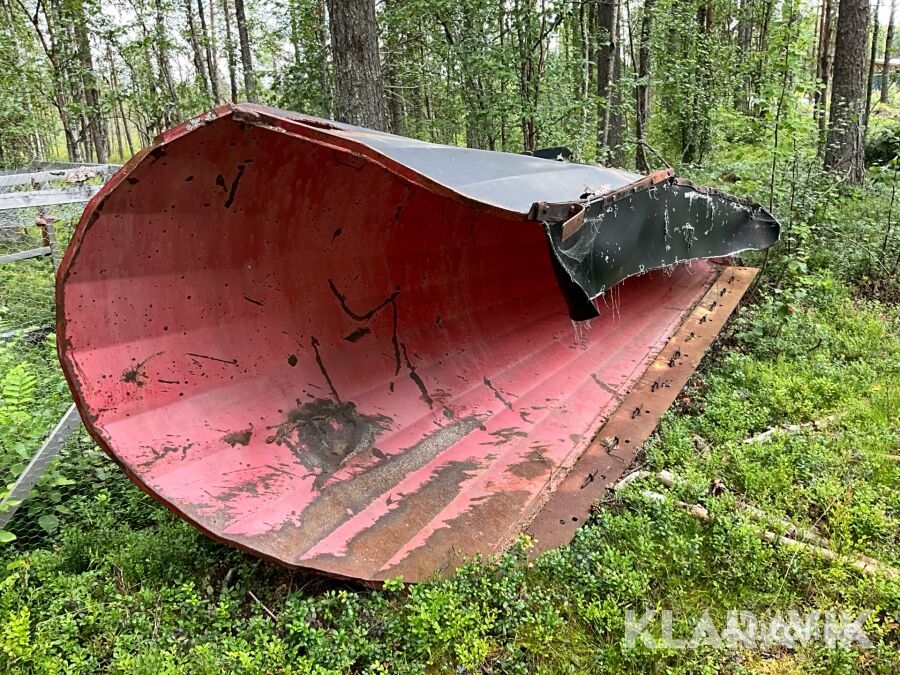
(288, 341)
(616, 445)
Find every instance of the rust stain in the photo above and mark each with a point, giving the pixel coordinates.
(505, 435)
(408, 514)
(533, 466)
(165, 451)
(338, 501)
(485, 526)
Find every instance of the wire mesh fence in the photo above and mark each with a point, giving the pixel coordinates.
(47, 460)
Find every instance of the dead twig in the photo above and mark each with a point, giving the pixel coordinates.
(654, 151)
(260, 603)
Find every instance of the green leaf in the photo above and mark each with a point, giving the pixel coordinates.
(49, 522)
(6, 537)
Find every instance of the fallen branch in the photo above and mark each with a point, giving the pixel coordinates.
(790, 429)
(812, 542)
(861, 563)
(668, 479)
(811, 535)
(630, 478)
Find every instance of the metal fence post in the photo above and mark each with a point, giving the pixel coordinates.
(38, 464)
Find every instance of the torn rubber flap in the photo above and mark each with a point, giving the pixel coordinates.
(605, 239)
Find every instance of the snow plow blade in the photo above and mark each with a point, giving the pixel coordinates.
(354, 353)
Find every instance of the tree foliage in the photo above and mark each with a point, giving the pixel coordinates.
(612, 79)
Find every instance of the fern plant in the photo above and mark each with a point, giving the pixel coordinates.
(17, 394)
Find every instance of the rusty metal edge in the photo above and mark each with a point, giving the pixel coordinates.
(622, 436)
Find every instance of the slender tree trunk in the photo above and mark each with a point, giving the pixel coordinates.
(844, 149)
(614, 134)
(395, 101)
(607, 54)
(392, 79)
(642, 89)
(874, 52)
(118, 113)
(322, 37)
(762, 43)
(125, 127)
(817, 35)
(211, 69)
(77, 78)
(501, 28)
(359, 88)
(152, 117)
(95, 122)
(246, 58)
(229, 48)
(294, 19)
(826, 69)
(114, 83)
(584, 81)
(118, 129)
(527, 32)
(214, 49)
(744, 28)
(194, 41)
(824, 56)
(886, 66)
(171, 112)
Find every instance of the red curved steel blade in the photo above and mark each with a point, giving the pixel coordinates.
(318, 355)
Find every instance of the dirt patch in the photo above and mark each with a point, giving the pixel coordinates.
(238, 437)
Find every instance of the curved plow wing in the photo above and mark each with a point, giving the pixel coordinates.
(311, 345)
